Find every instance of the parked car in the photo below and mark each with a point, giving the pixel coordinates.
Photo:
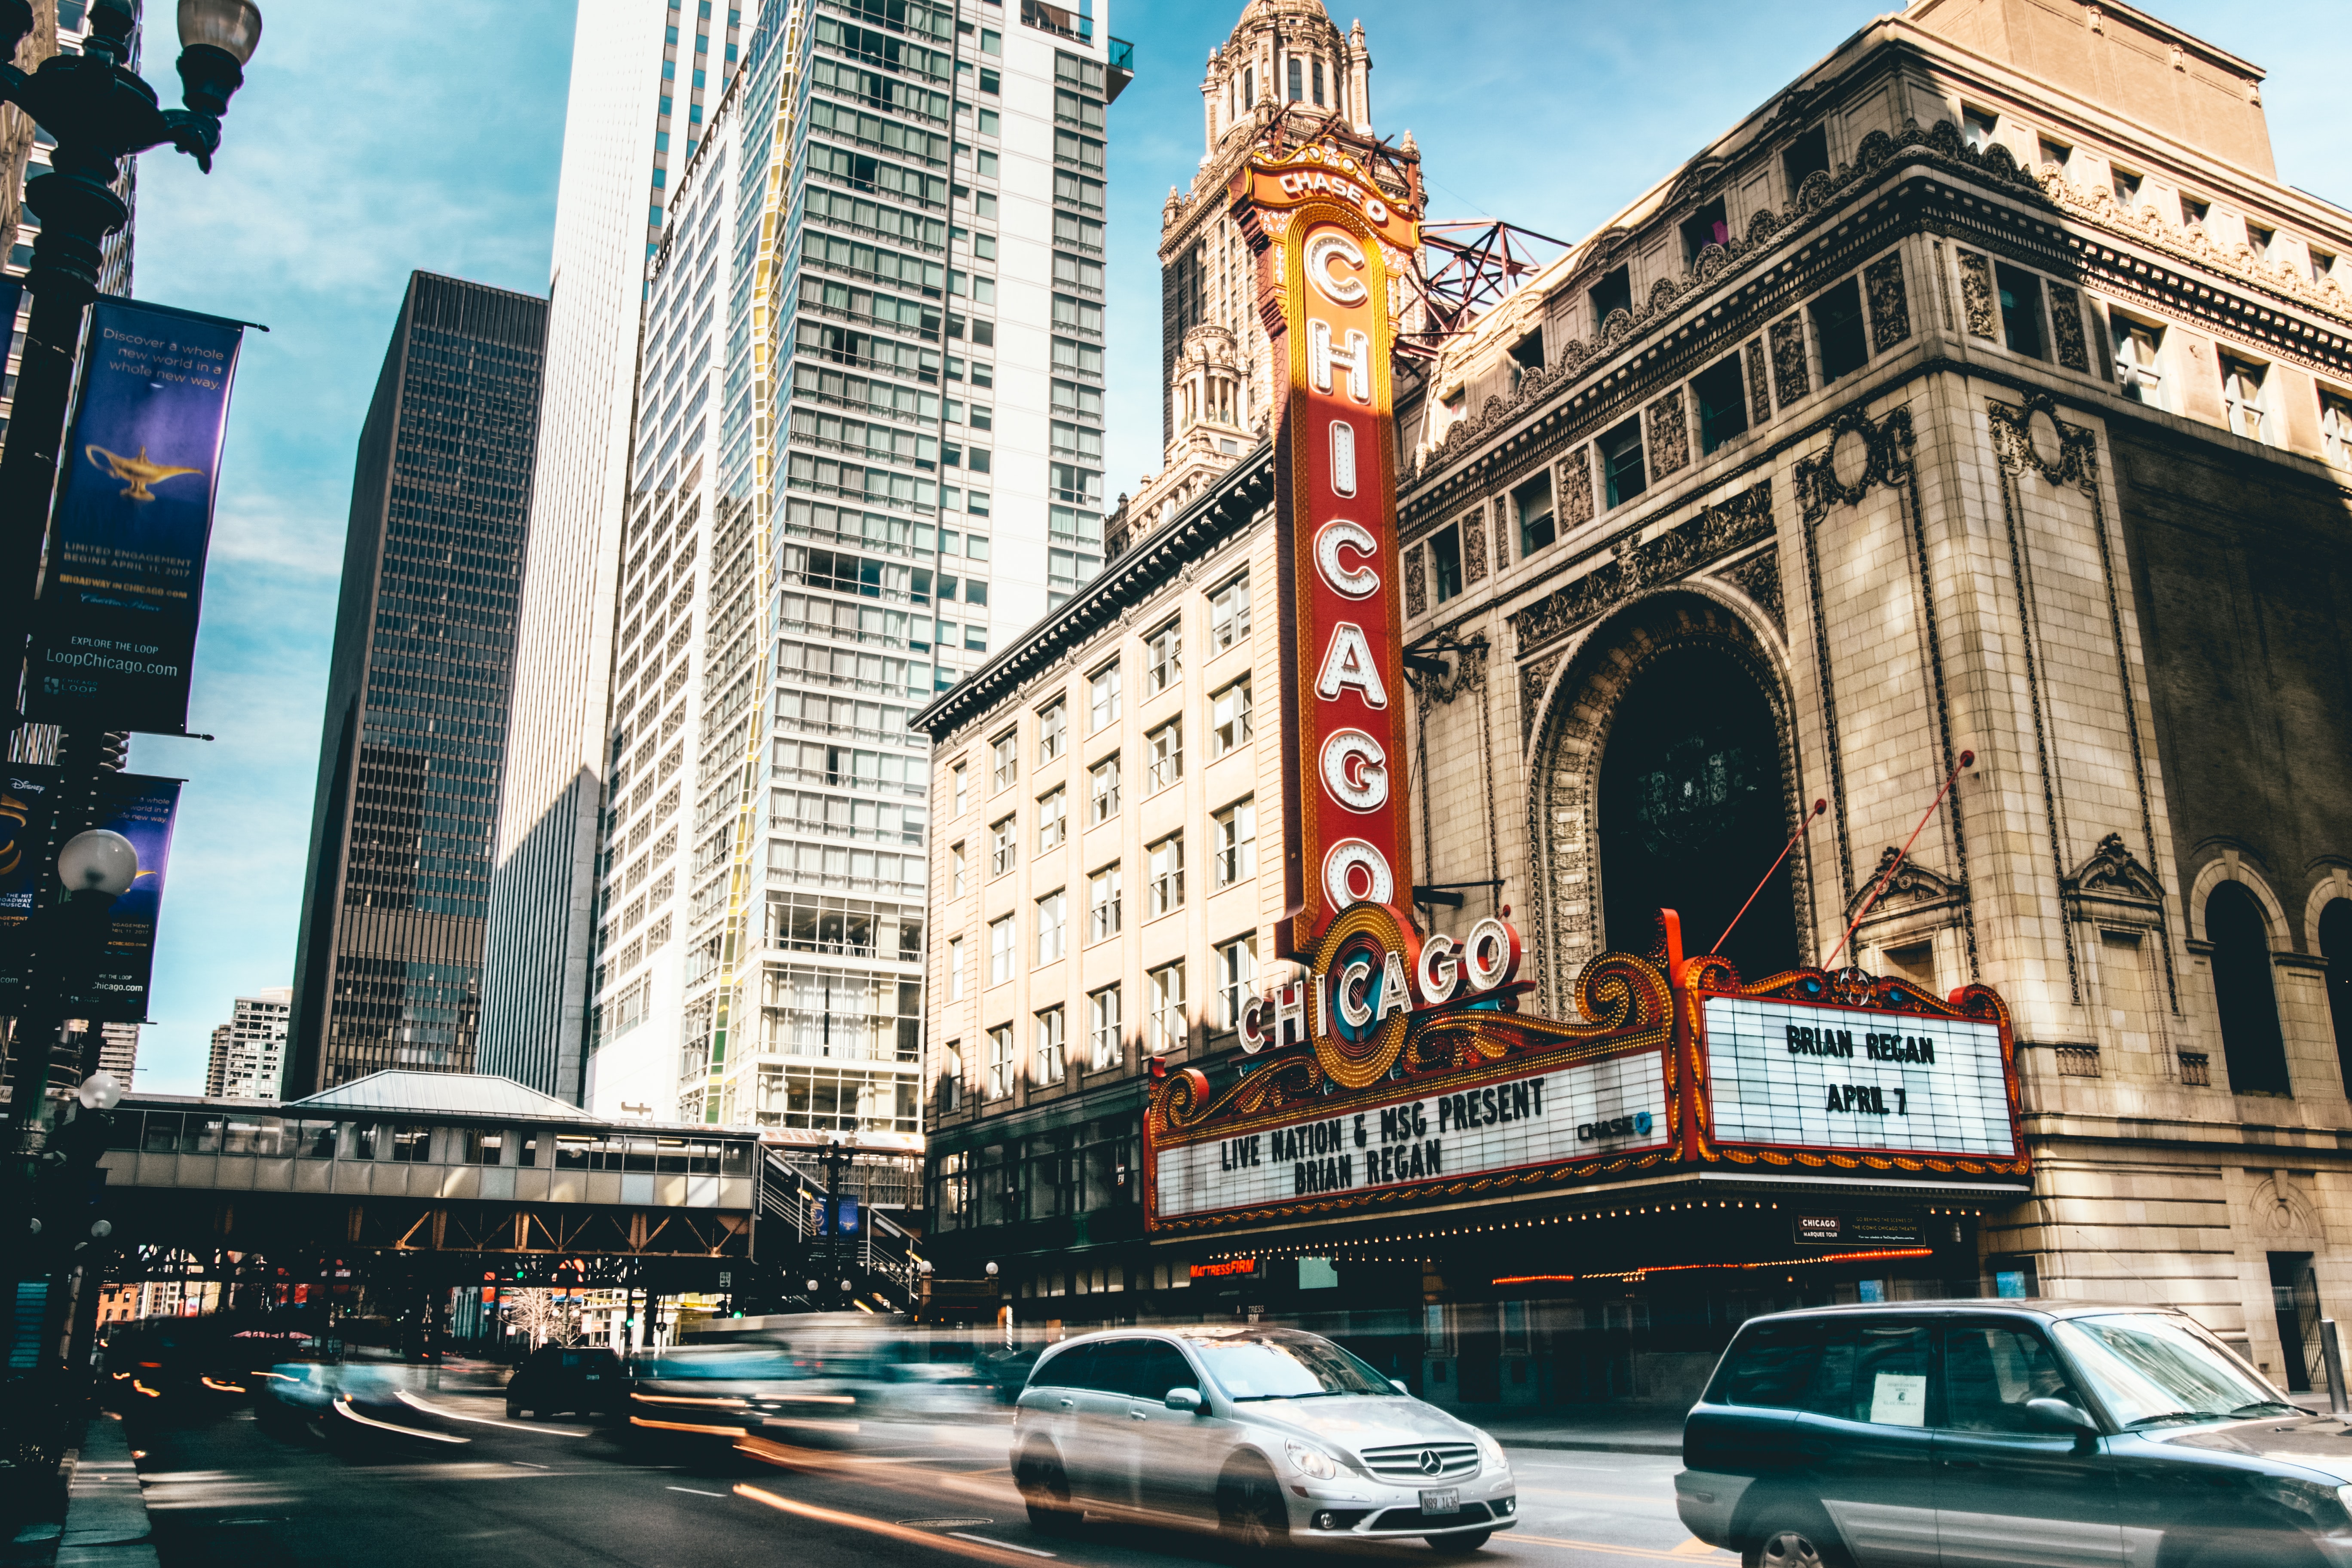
(1963, 1434)
(556, 1380)
(1264, 1434)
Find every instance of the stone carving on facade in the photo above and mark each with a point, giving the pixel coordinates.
(1473, 546)
(2066, 327)
(1912, 888)
(1468, 673)
(1861, 453)
(1976, 293)
(1792, 377)
(1890, 307)
(1669, 436)
(1416, 590)
(1575, 494)
(2146, 225)
(1717, 531)
(1758, 577)
(2114, 885)
(1534, 676)
(1760, 395)
(2030, 435)
(1814, 193)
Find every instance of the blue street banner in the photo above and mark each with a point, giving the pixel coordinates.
(115, 633)
(142, 809)
(28, 796)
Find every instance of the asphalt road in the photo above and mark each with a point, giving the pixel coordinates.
(224, 1489)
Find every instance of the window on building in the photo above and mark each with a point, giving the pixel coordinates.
(1229, 719)
(2127, 190)
(2021, 310)
(1229, 615)
(2056, 154)
(1163, 657)
(1297, 79)
(1164, 892)
(1235, 851)
(1005, 761)
(1001, 845)
(1000, 951)
(999, 1061)
(2336, 429)
(1707, 227)
(1980, 128)
(1838, 328)
(1721, 392)
(1808, 155)
(1053, 731)
(2140, 371)
(1531, 508)
(2323, 265)
(951, 1076)
(1163, 756)
(1103, 1028)
(1446, 561)
(1104, 908)
(2194, 211)
(2244, 992)
(1103, 697)
(1612, 292)
(1526, 356)
(2242, 385)
(1170, 1031)
(1053, 926)
(1236, 979)
(955, 871)
(955, 969)
(1052, 819)
(2261, 241)
(1102, 791)
(1621, 471)
(1051, 1066)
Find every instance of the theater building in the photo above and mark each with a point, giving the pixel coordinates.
(1986, 394)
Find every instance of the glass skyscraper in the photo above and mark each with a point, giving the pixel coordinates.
(388, 971)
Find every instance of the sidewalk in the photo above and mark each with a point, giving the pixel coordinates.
(106, 1509)
(1595, 1428)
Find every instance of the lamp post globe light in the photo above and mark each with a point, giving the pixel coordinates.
(100, 861)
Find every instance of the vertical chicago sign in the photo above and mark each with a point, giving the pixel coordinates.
(1332, 245)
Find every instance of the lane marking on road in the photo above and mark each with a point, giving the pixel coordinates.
(416, 1404)
(1651, 1553)
(980, 1548)
(534, 1464)
(344, 1407)
(693, 1492)
(1008, 1546)
(1694, 1547)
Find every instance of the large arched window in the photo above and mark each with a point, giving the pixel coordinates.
(2335, 946)
(1692, 808)
(2242, 989)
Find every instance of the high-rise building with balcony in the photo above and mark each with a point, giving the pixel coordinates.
(248, 1058)
(874, 340)
(646, 80)
(388, 971)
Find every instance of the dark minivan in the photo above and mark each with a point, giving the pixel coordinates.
(562, 1379)
(2016, 1434)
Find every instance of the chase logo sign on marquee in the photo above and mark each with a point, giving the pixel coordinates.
(1396, 1068)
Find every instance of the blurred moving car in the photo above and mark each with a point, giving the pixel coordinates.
(1265, 1434)
(1970, 1434)
(557, 1380)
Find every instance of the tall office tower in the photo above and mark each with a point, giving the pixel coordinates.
(389, 966)
(644, 81)
(249, 1050)
(927, 482)
(216, 1064)
(117, 1051)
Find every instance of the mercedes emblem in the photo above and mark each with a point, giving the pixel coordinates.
(1431, 1464)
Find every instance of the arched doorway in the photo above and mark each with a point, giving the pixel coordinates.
(2335, 946)
(2251, 1041)
(1693, 807)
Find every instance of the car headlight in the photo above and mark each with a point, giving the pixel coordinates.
(1491, 1453)
(1312, 1462)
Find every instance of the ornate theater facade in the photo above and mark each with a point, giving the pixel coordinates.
(1361, 905)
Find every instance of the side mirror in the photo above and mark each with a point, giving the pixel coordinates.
(1186, 1399)
(1398, 1383)
(2059, 1416)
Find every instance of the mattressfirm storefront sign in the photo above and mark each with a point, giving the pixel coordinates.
(1815, 1078)
(1606, 1107)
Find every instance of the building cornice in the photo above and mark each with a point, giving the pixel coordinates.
(1229, 506)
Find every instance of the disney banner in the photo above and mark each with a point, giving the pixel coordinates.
(27, 799)
(112, 988)
(115, 633)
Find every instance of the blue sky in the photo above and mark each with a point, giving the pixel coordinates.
(369, 140)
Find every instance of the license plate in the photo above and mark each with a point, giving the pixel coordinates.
(595, 1377)
(1442, 1499)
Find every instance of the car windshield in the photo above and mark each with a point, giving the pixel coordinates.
(2151, 1370)
(1286, 1366)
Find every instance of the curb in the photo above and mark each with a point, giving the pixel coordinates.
(1659, 1447)
(106, 1522)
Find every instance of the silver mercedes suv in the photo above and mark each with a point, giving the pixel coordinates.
(1261, 1432)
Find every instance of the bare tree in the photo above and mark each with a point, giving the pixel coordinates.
(543, 1316)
